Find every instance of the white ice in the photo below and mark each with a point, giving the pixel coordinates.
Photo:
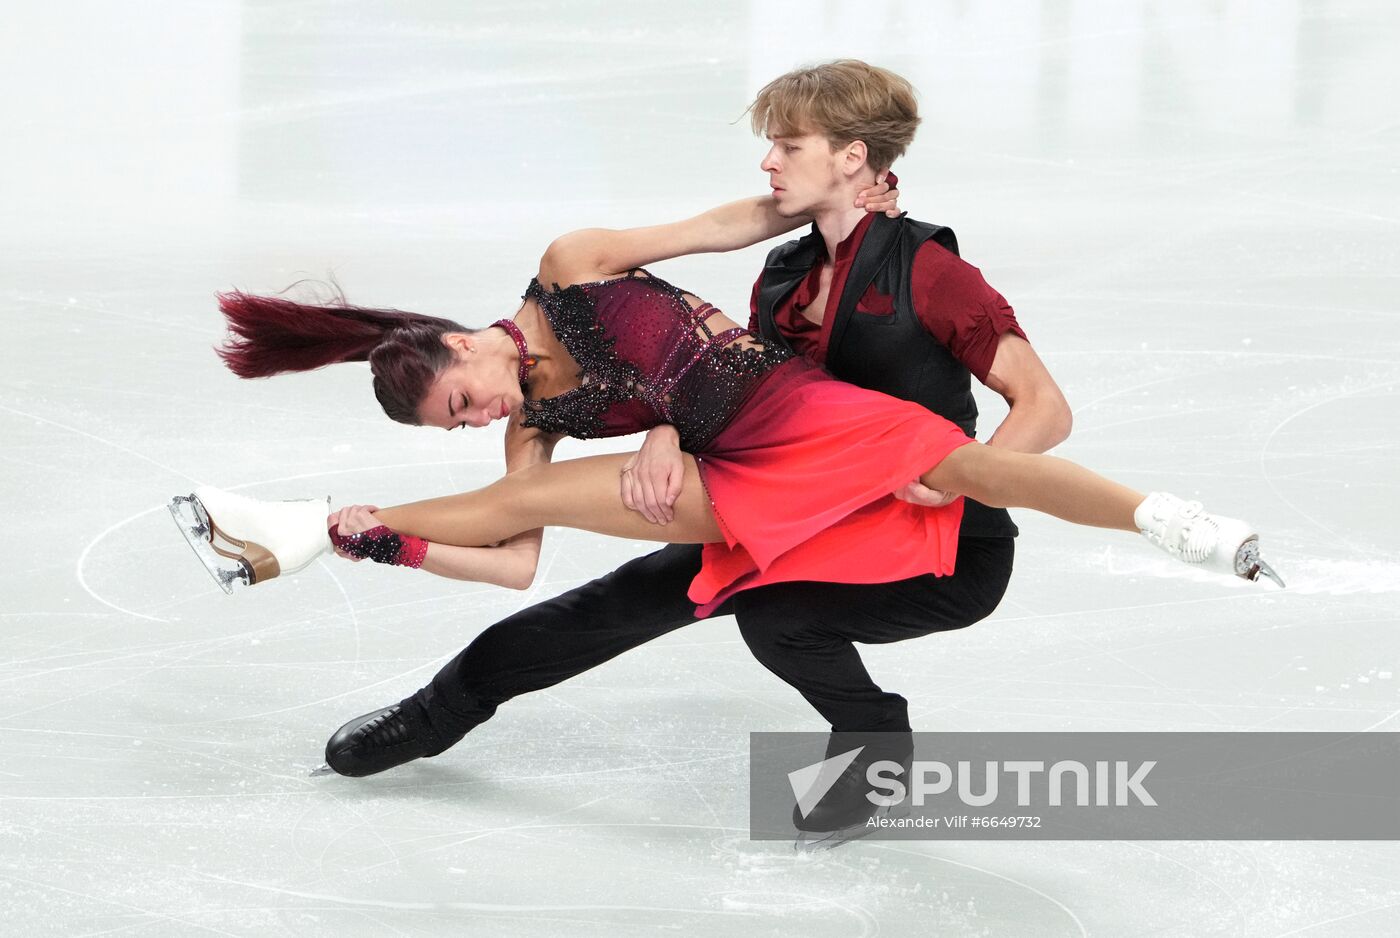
(1193, 206)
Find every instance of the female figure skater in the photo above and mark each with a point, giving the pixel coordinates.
(790, 471)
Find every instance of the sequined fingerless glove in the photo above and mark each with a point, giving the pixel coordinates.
(382, 546)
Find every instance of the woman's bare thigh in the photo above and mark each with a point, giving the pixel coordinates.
(586, 493)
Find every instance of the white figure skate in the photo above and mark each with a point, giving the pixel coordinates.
(244, 540)
(1194, 536)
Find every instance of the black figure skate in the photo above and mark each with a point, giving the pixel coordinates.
(376, 742)
(845, 811)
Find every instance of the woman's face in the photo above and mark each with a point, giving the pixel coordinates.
(477, 389)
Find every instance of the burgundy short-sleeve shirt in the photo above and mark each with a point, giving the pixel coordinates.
(953, 301)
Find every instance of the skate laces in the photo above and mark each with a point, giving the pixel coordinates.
(389, 728)
(1187, 531)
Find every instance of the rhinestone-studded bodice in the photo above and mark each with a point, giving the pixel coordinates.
(646, 357)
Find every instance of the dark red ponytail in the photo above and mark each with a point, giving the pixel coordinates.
(271, 335)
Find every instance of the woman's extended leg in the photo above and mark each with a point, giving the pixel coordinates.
(575, 493)
(1005, 479)
(583, 493)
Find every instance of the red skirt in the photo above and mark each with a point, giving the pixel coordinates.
(801, 482)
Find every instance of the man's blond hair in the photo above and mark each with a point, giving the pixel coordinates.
(844, 100)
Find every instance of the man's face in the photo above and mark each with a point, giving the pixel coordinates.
(803, 172)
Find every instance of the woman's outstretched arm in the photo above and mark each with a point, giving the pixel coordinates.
(605, 251)
(510, 561)
(519, 555)
(505, 564)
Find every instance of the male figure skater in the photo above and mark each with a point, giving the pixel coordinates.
(883, 303)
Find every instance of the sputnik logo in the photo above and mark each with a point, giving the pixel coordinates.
(811, 783)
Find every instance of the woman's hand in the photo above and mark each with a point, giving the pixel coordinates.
(879, 198)
(353, 519)
(916, 493)
(652, 478)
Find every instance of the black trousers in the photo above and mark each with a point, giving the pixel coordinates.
(802, 632)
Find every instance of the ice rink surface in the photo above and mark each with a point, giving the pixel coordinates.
(1193, 206)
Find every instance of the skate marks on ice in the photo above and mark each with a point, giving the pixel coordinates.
(945, 890)
(1371, 570)
(1307, 451)
(1307, 575)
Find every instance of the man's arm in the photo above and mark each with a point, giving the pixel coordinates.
(961, 310)
(1039, 418)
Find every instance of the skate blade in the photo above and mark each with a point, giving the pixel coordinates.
(819, 841)
(193, 521)
(1251, 566)
(1261, 568)
(320, 770)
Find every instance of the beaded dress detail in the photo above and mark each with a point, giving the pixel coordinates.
(798, 466)
(646, 357)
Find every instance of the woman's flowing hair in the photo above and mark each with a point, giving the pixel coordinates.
(271, 335)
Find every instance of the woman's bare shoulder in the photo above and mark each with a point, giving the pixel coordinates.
(574, 258)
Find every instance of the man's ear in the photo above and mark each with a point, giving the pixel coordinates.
(855, 158)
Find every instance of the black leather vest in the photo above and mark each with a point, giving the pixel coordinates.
(892, 353)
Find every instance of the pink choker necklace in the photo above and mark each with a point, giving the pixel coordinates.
(527, 361)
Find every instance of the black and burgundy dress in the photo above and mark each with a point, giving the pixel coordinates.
(799, 466)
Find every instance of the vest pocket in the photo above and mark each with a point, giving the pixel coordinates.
(875, 305)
